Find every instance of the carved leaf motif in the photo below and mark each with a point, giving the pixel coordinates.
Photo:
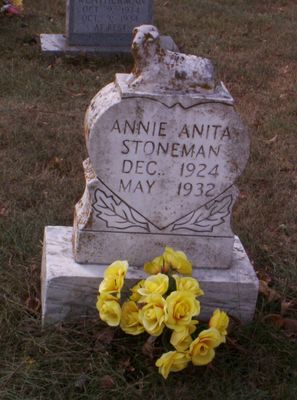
(116, 214)
(206, 218)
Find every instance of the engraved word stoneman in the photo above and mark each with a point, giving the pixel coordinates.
(165, 147)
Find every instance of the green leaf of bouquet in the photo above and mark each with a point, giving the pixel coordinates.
(171, 285)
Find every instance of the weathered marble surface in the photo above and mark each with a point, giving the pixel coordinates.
(69, 289)
(157, 69)
(107, 228)
(106, 23)
(163, 171)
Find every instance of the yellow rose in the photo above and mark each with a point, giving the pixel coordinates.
(117, 268)
(202, 348)
(178, 261)
(152, 314)
(155, 266)
(114, 276)
(109, 309)
(182, 339)
(130, 319)
(173, 361)
(135, 296)
(182, 306)
(155, 284)
(188, 284)
(18, 4)
(220, 321)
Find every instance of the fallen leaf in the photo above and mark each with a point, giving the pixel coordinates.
(105, 336)
(264, 276)
(56, 162)
(243, 195)
(3, 212)
(32, 303)
(285, 69)
(290, 325)
(287, 324)
(288, 305)
(106, 382)
(148, 349)
(274, 319)
(272, 140)
(266, 291)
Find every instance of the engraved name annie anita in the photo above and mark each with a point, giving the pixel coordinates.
(198, 146)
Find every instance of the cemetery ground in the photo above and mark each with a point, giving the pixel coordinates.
(42, 101)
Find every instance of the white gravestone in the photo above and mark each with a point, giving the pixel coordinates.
(162, 167)
(165, 147)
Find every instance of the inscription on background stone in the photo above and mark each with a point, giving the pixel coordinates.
(105, 23)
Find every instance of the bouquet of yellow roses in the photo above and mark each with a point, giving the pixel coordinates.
(166, 300)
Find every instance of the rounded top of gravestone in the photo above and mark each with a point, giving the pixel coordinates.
(160, 70)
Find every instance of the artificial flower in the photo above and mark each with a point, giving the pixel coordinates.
(182, 339)
(135, 296)
(220, 321)
(154, 284)
(202, 348)
(152, 314)
(114, 277)
(130, 319)
(178, 261)
(173, 361)
(109, 309)
(188, 284)
(117, 268)
(155, 266)
(182, 306)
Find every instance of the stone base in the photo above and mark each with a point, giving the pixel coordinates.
(69, 290)
(56, 45)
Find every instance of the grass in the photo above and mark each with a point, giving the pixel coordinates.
(42, 105)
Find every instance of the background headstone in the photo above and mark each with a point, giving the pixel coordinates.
(100, 27)
(105, 23)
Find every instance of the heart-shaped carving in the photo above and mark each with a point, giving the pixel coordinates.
(164, 161)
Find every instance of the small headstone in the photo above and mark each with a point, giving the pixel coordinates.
(100, 27)
(165, 147)
(105, 23)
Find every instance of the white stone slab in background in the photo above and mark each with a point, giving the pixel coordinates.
(69, 289)
(56, 45)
